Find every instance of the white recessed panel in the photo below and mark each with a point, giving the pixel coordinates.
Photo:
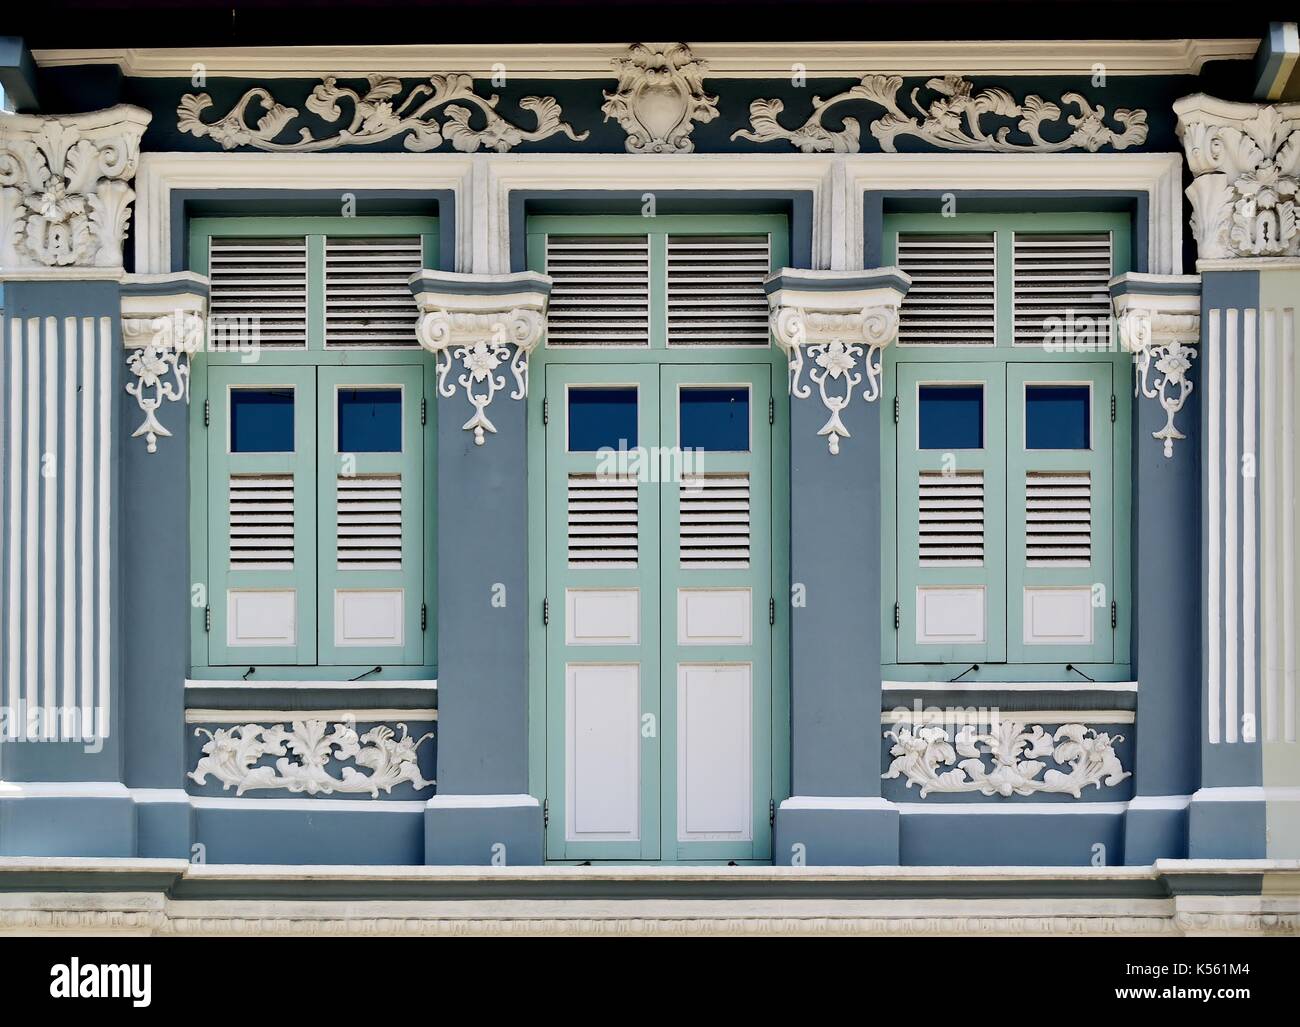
(368, 616)
(603, 752)
(713, 616)
(949, 616)
(260, 617)
(602, 616)
(1058, 616)
(714, 752)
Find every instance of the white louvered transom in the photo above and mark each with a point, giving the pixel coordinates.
(258, 291)
(600, 294)
(715, 290)
(369, 522)
(714, 514)
(1058, 519)
(367, 299)
(261, 522)
(951, 519)
(1061, 279)
(953, 298)
(602, 521)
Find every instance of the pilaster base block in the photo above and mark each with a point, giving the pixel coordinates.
(835, 831)
(1226, 823)
(1154, 831)
(52, 824)
(164, 825)
(483, 830)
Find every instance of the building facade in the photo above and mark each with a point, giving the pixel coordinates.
(735, 454)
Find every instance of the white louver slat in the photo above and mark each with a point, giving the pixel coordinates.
(370, 522)
(261, 522)
(714, 515)
(715, 290)
(951, 512)
(258, 291)
(367, 299)
(602, 521)
(600, 294)
(1058, 519)
(1062, 277)
(953, 297)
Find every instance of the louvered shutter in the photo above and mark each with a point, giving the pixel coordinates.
(368, 302)
(603, 521)
(715, 291)
(714, 526)
(1058, 519)
(258, 291)
(600, 293)
(953, 297)
(261, 524)
(951, 523)
(369, 525)
(1059, 280)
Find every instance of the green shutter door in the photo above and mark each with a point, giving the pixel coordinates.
(261, 516)
(950, 495)
(1060, 513)
(371, 515)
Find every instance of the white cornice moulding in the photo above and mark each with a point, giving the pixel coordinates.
(1160, 324)
(725, 60)
(482, 321)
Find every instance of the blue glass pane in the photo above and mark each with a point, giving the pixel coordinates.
(715, 418)
(261, 420)
(602, 418)
(370, 420)
(951, 416)
(1057, 417)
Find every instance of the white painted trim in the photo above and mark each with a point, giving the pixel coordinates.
(363, 716)
(725, 60)
(1231, 545)
(1214, 550)
(481, 801)
(1009, 686)
(1157, 802)
(314, 805)
(1247, 793)
(64, 790)
(160, 173)
(1013, 808)
(250, 687)
(1248, 264)
(145, 795)
(62, 274)
(837, 802)
(92, 864)
(1088, 717)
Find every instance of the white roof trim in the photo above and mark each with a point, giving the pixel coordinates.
(725, 60)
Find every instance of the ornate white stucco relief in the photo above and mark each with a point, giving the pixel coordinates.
(1246, 161)
(1018, 756)
(950, 122)
(378, 115)
(660, 98)
(65, 194)
(231, 756)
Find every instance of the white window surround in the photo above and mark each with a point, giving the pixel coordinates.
(482, 184)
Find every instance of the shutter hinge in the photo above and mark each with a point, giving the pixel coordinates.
(546, 411)
(546, 612)
(898, 617)
(1114, 614)
(1113, 408)
(771, 610)
(895, 409)
(424, 410)
(771, 812)
(771, 410)
(546, 813)
(207, 412)
(424, 616)
(207, 618)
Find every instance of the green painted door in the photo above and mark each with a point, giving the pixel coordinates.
(658, 536)
(371, 515)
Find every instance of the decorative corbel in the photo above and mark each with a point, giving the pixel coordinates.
(163, 326)
(833, 318)
(482, 321)
(1159, 323)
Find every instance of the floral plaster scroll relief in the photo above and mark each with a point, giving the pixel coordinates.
(660, 98)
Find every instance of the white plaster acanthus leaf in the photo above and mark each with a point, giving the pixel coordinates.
(162, 372)
(1146, 334)
(232, 755)
(950, 122)
(1246, 162)
(65, 197)
(378, 115)
(1018, 759)
(660, 98)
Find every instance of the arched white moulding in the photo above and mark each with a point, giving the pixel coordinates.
(1160, 324)
(833, 318)
(481, 322)
(163, 325)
